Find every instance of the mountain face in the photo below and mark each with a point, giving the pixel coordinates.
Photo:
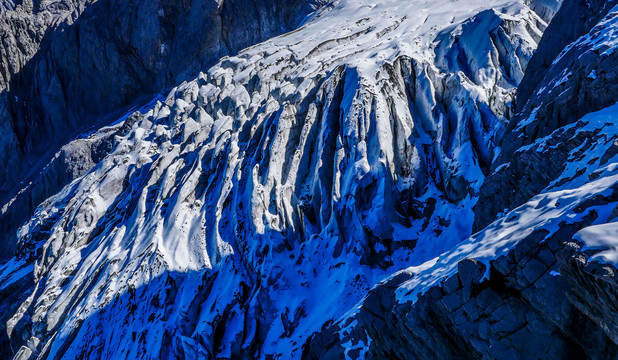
(68, 67)
(580, 80)
(406, 180)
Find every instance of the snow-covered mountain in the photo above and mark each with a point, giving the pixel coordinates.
(315, 196)
(70, 66)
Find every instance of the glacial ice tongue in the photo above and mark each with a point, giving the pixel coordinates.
(264, 198)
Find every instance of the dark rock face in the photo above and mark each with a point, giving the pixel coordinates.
(581, 80)
(576, 19)
(24, 25)
(540, 301)
(63, 65)
(529, 172)
(560, 88)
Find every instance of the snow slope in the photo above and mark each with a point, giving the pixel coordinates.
(263, 199)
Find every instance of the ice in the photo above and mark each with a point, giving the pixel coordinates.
(603, 239)
(266, 197)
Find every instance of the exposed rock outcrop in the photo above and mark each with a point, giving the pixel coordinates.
(582, 79)
(577, 19)
(541, 300)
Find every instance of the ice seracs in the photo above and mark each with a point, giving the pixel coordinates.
(546, 261)
(262, 200)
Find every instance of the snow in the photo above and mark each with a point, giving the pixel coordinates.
(604, 240)
(272, 179)
(603, 38)
(607, 38)
(566, 74)
(545, 211)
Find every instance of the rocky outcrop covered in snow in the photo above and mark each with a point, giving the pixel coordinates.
(258, 203)
(580, 80)
(576, 19)
(541, 300)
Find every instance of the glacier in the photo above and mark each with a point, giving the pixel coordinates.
(260, 209)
